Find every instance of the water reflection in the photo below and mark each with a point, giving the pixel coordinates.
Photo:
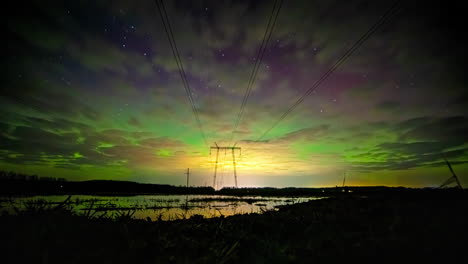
(159, 207)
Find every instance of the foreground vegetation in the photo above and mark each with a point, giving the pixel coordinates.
(384, 226)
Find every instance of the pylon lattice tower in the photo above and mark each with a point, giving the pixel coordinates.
(453, 179)
(233, 149)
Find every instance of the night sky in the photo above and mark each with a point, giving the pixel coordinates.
(91, 90)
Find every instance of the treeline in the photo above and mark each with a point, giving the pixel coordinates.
(11, 175)
(12, 183)
(20, 184)
(99, 187)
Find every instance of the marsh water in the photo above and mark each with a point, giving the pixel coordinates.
(163, 207)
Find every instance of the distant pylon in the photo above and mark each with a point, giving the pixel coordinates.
(452, 179)
(233, 148)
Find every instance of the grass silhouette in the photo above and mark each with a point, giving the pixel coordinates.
(394, 225)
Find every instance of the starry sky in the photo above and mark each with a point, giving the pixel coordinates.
(91, 90)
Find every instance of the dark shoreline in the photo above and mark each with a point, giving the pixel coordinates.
(21, 188)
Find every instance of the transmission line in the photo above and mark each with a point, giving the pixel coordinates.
(175, 52)
(391, 11)
(382, 19)
(258, 61)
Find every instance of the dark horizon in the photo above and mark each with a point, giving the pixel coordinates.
(31, 186)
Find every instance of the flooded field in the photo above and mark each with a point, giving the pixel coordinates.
(155, 207)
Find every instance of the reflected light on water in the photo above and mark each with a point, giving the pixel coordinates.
(159, 207)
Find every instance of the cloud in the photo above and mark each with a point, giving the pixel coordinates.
(36, 96)
(387, 106)
(421, 142)
(161, 142)
(134, 122)
(66, 144)
(307, 134)
(100, 80)
(453, 128)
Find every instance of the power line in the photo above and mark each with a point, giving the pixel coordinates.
(260, 54)
(392, 10)
(175, 52)
(382, 19)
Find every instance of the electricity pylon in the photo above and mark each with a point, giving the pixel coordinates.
(452, 179)
(233, 148)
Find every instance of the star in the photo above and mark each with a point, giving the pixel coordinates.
(99, 64)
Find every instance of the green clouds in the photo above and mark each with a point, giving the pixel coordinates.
(92, 91)
(62, 149)
(164, 153)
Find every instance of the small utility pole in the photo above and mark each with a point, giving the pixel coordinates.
(188, 176)
(234, 163)
(344, 178)
(216, 164)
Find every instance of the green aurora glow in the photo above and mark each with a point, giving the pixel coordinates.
(92, 92)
